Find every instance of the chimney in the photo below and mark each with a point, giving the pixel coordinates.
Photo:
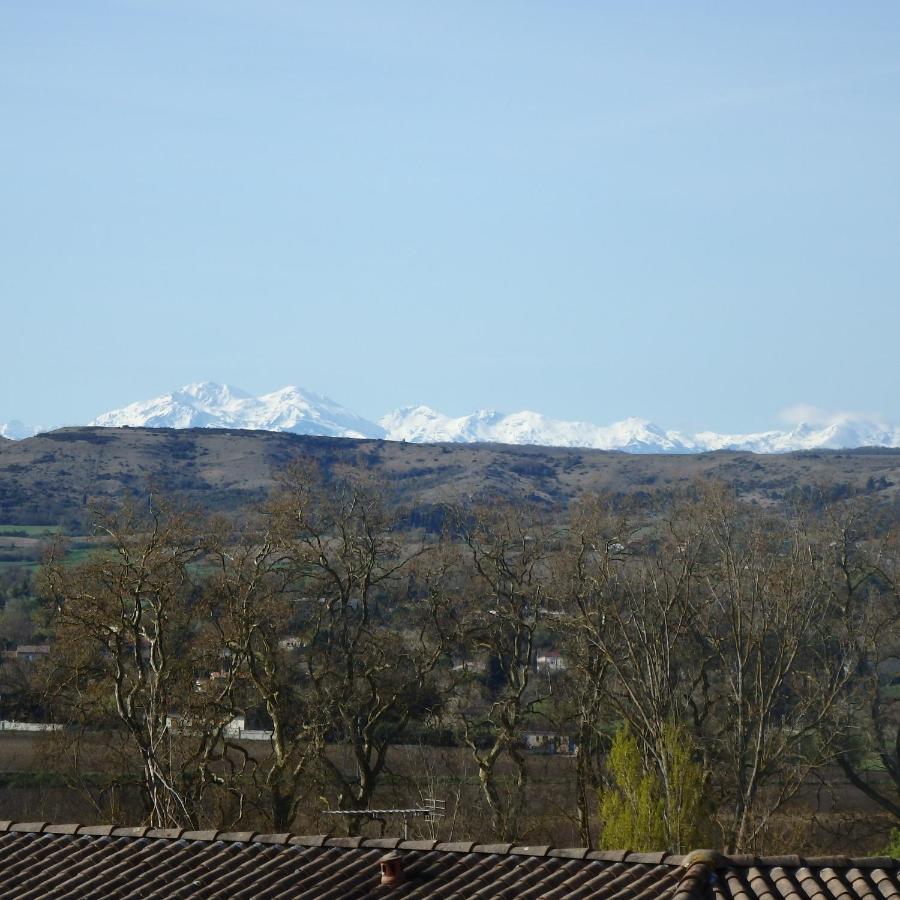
(391, 869)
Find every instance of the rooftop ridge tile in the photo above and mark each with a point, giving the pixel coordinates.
(104, 858)
(135, 831)
(95, 830)
(569, 852)
(381, 843)
(608, 855)
(794, 861)
(278, 838)
(71, 828)
(789, 861)
(652, 859)
(693, 882)
(351, 842)
(207, 835)
(417, 845)
(240, 837)
(27, 827)
(156, 833)
(496, 849)
(876, 862)
(530, 850)
(455, 846)
(711, 860)
(308, 840)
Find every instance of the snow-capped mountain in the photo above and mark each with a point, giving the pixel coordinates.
(209, 405)
(421, 424)
(841, 433)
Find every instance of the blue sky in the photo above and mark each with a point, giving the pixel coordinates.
(685, 211)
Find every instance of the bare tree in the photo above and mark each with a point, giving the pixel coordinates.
(780, 660)
(718, 619)
(585, 574)
(506, 597)
(125, 655)
(634, 658)
(251, 581)
(865, 587)
(370, 624)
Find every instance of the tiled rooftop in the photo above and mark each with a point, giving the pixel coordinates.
(72, 861)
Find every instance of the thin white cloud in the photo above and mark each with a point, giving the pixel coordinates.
(807, 414)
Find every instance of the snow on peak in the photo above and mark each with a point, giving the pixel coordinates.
(210, 394)
(210, 405)
(839, 433)
(422, 424)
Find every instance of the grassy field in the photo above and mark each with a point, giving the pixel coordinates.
(32, 787)
(22, 546)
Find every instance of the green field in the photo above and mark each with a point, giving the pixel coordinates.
(21, 546)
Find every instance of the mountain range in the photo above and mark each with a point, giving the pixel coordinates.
(297, 411)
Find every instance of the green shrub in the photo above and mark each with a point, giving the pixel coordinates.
(893, 849)
(644, 808)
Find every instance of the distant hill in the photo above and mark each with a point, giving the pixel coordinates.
(53, 477)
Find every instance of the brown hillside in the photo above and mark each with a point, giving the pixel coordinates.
(53, 477)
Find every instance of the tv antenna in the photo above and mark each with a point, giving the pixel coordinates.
(431, 810)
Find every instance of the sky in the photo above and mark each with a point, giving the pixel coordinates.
(681, 211)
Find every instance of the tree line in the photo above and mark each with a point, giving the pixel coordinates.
(710, 659)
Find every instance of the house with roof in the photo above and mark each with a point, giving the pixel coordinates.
(28, 652)
(550, 661)
(38, 859)
(549, 742)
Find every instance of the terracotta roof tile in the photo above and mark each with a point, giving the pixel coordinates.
(651, 858)
(97, 830)
(590, 880)
(608, 855)
(381, 843)
(555, 878)
(71, 828)
(417, 845)
(455, 846)
(492, 848)
(309, 840)
(27, 827)
(542, 850)
(736, 886)
(353, 842)
(785, 861)
(570, 852)
(165, 833)
(210, 835)
(242, 836)
(139, 831)
(87, 863)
